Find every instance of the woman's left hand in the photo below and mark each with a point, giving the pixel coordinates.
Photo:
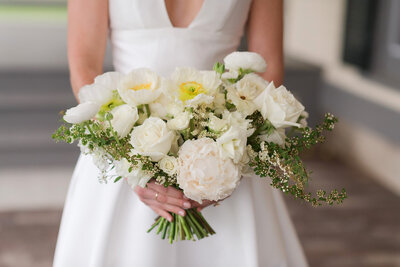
(204, 204)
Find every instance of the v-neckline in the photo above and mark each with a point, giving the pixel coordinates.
(190, 25)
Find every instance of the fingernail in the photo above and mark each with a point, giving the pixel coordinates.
(182, 213)
(186, 205)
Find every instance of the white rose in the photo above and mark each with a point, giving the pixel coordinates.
(136, 177)
(180, 121)
(81, 112)
(216, 124)
(250, 86)
(152, 138)
(246, 61)
(278, 137)
(203, 173)
(140, 86)
(169, 165)
(124, 117)
(233, 143)
(279, 106)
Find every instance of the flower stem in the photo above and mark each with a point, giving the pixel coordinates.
(158, 220)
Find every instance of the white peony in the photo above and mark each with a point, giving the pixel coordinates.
(152, 138)
(169, 165)
(233, 143)
(278, 137)
(136, 177)
(193, 87)
(124, 117)
(246, 61)
(279, 106)
(203, 173)
(81, 112)
(140, 86)
(250, 86)
(180, 121)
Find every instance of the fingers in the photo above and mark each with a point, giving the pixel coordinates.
(162, 213)
(170, 191)
(150, 194)
(167, 207)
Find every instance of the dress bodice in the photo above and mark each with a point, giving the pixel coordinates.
(142, 34)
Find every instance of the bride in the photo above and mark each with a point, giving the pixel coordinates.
(105, 225)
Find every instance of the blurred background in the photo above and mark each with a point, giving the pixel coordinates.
(342, 57)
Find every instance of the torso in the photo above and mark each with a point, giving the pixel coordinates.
(183, 12)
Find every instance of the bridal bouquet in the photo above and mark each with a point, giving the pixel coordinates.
(198, 131)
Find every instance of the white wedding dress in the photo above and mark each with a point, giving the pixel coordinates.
(104, 225)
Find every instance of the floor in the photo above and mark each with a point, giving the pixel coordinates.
(364, 231)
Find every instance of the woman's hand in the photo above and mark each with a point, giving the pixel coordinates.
(163, 200)
(204, 204)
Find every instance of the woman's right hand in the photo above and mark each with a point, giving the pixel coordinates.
(163, 200)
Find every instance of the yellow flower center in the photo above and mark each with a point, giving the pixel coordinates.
(142, 86)
(190, 90)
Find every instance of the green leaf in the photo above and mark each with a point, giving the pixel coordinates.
(117, 179)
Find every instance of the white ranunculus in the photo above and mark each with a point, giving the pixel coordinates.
(140, 86)
(278, 137)
(246, 107)
(233, 143)
(216, 124)
(250, 86)
(152, 138)
(180, 121)
(124, 117)
(189, 84)
(279, 106)
(136, 177)
(203, 174)
(169, 165)
(101, 91)
(246, 61)
(81, 112)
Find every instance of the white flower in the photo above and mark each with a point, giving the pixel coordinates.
(140, 86)
(99, 159)
(278, 137)
(250, 86)
(231, 74)
(152, 138)
(81, 112)
(124, 117)
(233, 143)
(203, 173)
(246, 61)
(216, 124)
(279, 106)
(101, 91)
(136, 177)
(246, 107)
(180, 121)
(237, 119)
(169, 165)
(193, 87)
(165, 106)
(303, 119)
